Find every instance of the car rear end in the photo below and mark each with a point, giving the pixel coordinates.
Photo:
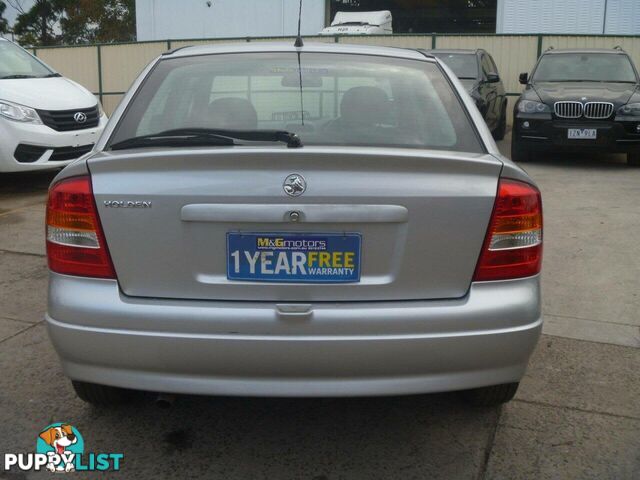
(399, 264)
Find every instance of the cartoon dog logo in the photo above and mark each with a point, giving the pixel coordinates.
(60, 438)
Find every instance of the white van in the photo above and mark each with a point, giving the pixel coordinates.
(46, 120)
(360, 23)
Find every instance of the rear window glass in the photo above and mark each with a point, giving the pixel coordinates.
(464, 65)
(327, 99)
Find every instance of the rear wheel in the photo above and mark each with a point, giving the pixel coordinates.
(102, 395)
(491, 396)
(501, 130)
(633, 159)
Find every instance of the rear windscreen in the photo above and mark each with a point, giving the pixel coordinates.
(327, 99)
(464, 65)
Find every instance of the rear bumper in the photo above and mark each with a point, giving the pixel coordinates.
(546, 135)
(332, 349)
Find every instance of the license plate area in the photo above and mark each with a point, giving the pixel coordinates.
(582, 133)
(294, 257)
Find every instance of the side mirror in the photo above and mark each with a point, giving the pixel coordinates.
(524, 78)
(493, 77)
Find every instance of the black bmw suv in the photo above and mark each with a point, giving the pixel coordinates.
(478, 73)
(577, 100)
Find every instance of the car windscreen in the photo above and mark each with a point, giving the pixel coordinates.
(584, 67)
(464, 65)
(15, 62)
(326, 99)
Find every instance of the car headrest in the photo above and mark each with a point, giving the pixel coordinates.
(368, 105)
(232, 113)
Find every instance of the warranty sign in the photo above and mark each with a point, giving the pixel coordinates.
(294, 257)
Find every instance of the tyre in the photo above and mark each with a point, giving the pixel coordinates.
(501, 130)
(519, 155)
(633, 159)
(102, 395)
(491, 396)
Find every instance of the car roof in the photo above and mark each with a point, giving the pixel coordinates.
(553, 51)
(267, 47)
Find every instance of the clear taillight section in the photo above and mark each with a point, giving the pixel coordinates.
(513, 245)
(75, 242)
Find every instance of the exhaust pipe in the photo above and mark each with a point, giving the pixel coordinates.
(165, 400)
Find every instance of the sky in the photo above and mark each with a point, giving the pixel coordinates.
(11, 13)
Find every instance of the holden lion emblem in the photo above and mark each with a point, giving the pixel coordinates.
(294, 185)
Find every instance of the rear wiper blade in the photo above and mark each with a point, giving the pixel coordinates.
(291, 139)
(174, 138)
(7, 77)
(571, 81)
(206, 137)
(591, 81)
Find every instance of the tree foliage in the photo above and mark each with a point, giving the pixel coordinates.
(4, 25)
(37, 26)
(101, 21)
(50, 22)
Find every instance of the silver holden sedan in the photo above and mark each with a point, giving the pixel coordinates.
(326, 220)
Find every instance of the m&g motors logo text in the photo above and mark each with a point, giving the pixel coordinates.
(276, 243)
(60, 448)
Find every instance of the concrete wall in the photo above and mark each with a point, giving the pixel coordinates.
(108, 70)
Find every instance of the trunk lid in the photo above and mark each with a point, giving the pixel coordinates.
(422, 217)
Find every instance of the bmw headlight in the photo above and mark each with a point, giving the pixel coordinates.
(630, 110)
(19, 113)
(529, 106)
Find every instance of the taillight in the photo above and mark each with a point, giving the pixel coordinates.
(75, 242)
(513, 245)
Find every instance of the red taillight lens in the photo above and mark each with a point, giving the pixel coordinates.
(75, 242)
(513, 245)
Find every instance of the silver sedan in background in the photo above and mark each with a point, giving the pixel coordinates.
(271, 220)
